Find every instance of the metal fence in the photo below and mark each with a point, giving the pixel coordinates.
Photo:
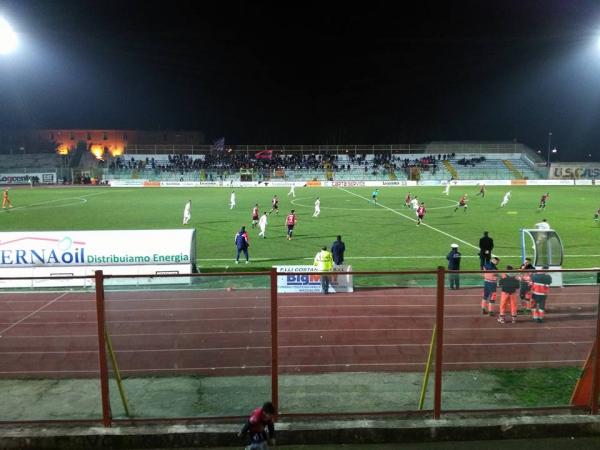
(133, 349)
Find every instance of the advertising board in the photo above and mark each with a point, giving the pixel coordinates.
(24, 178)
(75, 253)
(575, 170)
(297, 279)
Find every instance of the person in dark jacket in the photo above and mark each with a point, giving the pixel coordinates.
(242, 244)
(454, 264)
(337, 249)
(486, 245)
(509, 284)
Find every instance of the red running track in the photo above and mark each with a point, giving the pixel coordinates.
(216, 332)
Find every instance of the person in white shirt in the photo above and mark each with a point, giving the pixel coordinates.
(292, 191)
(543, 225)
(447, 190)
(187, 212)
(232, 200)
(317, 207)
(415, 203)
(262, 225)
(505, 200)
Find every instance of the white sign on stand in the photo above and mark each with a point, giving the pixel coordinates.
(296, 279)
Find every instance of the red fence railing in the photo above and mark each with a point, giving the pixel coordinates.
(228, 341)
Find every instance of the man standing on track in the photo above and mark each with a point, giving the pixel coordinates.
(508, 285)
(337, 249)
(540, 287)
(324, 263)
(490, 285)
(454, 264)
(486, 245)
(525, 284)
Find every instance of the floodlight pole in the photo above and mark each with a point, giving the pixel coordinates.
(549, 146)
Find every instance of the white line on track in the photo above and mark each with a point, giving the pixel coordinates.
(31, 314)
(397, 296)
(291, 318)
(317, 346)
(267, 308)
(298, 366)
(300, 331)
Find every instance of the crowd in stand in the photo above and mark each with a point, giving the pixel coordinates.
(229, 161)
(174, 163)
(223, 162)
(470, 161)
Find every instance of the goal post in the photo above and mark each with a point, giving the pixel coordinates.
(545, 249)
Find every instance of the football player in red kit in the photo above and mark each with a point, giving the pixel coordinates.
(462, 203)
(421, 213)
(255, 215)
(290, 221)
(543, 201)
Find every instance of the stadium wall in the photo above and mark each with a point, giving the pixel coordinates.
(346, 183)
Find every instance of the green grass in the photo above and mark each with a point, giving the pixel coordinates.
(376, 237)
(538, 387)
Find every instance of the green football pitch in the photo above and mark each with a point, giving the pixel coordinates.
(377, 237)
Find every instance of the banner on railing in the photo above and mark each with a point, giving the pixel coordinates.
(80, 253)
(25, 178)
(575, 170)
(297, 280)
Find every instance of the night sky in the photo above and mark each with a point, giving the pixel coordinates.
(311, 72)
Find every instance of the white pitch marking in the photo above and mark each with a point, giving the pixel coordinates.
(411, 219)
(34, 205)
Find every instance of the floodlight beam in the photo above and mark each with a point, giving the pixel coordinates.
(8, 37)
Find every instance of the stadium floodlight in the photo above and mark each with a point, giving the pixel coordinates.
(8, 37)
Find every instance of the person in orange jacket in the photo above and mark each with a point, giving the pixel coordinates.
(540, 287)
(490, 285)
